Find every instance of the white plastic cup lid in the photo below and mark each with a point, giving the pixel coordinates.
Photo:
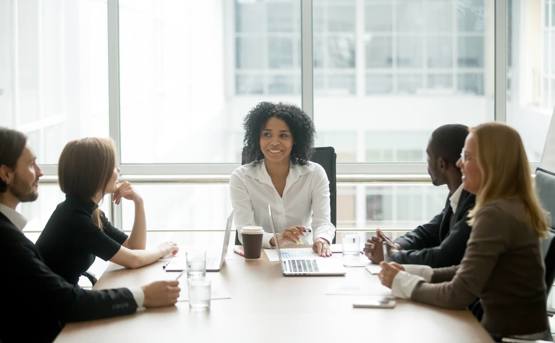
(252, 230)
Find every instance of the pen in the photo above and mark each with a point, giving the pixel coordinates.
(178, 276)
(387, 239)
(385, 252)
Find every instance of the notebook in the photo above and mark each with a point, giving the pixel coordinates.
(305, 266)
(214, 263)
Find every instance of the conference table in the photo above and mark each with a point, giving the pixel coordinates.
(265, 306)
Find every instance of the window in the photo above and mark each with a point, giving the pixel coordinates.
(334, 46)
(54, 79)
(387, 205)
(402, 206)
(415, 64)
(385, 74)
(190, 71)
(531, 75)
(178, 207)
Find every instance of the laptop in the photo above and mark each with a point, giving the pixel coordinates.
(214, 263)
(305, 266)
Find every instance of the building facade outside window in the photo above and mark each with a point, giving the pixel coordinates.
(386, 73)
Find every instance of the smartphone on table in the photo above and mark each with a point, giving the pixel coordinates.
(375, 302)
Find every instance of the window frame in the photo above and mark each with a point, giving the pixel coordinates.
(219, 172)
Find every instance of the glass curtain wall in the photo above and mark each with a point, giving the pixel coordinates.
(386, 73)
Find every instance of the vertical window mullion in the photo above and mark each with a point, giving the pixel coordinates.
(500, 61)
(114, 92)
(307, 62)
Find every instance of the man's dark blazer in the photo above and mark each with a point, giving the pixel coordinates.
(37, 302)
(442, 241)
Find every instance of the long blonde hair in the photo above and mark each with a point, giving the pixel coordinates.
(505, 172)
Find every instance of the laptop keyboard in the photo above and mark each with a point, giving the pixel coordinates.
(301, 266)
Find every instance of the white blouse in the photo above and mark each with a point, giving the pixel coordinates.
(305, 201)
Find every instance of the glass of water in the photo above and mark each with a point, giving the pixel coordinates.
(196, 264)
(199, 294)
(351, 245)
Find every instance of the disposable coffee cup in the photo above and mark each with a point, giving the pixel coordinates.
(252, 241)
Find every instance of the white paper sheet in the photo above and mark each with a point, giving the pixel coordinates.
(356, 261)
(373, 269)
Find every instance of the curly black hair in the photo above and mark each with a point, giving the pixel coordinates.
(299, 123)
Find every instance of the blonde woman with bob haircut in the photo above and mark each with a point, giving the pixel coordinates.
(78, 230)
(502, 264)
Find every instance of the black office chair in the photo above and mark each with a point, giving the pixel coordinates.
(326, 157)
(550, 263)
(545, 187)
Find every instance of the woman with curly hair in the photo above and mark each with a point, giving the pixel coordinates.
(278, 140)
(502, 264)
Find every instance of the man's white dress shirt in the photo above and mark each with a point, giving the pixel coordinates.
(455, 198)
(305, 201)
(15, 217)
(405, 282)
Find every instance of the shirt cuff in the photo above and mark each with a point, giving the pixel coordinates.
(404, 284)
(324, 237)
(326, 233)
(426, 272)
(266, 240)
(139, 297)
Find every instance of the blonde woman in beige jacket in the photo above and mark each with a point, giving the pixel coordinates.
(502, 264)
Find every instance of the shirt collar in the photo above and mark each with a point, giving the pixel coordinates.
(295, 172)
(15, 217)
(261, 174)
(455, 197)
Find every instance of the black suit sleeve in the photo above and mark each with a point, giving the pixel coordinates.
(448, 253)
(424, 236)
(64, 301)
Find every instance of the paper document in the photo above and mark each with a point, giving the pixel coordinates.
(176, 264)
(336, 248)
(373, 269)
(356, 261)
